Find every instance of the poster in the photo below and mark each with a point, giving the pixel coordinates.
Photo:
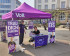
(13, 36)
(51, 31)
(51, 26)
(12, 28)
(30, 25)
(41, 40)
(2, 31)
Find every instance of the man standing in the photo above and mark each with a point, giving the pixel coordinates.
(21, 32)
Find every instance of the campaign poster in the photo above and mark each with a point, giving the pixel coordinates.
(2, 31)
(51, 31)
(30, 24)
(51, 26)
(13, 36)
(41, 40)
(51, 37)
(12, 28)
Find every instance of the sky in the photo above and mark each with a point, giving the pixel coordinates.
(30, 2)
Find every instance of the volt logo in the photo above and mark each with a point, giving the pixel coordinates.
(20, 14)
(52, 24)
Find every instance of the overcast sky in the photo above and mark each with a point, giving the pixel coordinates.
(30, 2)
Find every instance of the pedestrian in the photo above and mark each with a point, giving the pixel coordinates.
(44, 25)
(21, 32)
(67, 24)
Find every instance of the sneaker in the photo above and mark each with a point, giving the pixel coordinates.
(24, 48)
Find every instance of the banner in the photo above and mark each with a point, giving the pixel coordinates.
(2, 26)
(51, 31)
(30, 25)
(51, 26)
(12, 28)
(51, 37)
(41, 40)
(13, 36)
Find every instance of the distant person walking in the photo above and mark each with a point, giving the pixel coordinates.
(21, 32)
(44, 25)
(67, 24)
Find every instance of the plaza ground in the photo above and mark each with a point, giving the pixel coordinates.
(60, 48)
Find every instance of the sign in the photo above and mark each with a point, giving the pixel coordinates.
(2, 26)
(13, 44)
(18, 15)
(51, 37)
(41, 40)
(30, 25)
(13, 36)
(51, 31)
(51, 26)
(12, 28)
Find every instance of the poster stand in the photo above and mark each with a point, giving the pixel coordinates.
(51, 31)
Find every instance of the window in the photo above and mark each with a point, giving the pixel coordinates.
(39, 6)
(53, 0)
(62, 16)
(46, 1)
(63, 4)
(4, 11)
(39, 1)
(5, 1)
(18, 3)
(46, 6)
(53, 6)
(5, 6)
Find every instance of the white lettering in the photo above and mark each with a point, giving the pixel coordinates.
(20, 15)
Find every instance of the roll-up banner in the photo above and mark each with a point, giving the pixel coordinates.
(13, 36)
(51, 31)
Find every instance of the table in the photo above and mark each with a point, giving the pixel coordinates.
(41, 40)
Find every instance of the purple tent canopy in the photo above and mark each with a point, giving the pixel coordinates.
(26, 12)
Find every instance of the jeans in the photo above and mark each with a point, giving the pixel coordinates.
(21, 37)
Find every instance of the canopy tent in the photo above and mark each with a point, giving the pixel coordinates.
(26, 12)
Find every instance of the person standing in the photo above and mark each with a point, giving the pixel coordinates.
(44, 24)
(21, 32)
(67, 24)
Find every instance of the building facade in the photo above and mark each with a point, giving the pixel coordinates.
(8, 5)
(60, 9)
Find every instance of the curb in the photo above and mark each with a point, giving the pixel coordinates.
(63, 41)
